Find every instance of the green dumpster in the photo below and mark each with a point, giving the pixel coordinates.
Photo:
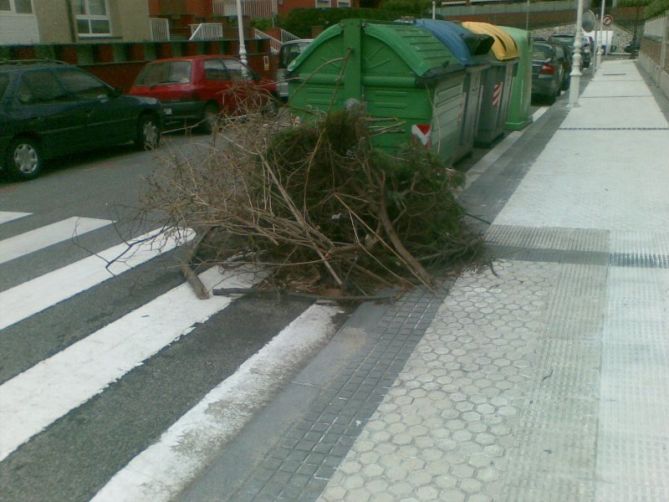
(404, 77)
(521, 89)
(471, 49)
(497, 83)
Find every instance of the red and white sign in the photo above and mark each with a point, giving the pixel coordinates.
(422, 133)
(497, 93)
(607, 20)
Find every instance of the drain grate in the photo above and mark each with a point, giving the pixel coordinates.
(614, 74)
(613, 129)
(639, 260)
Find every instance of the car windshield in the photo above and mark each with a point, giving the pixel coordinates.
(169, 72)
(291, 51)
(4, 81)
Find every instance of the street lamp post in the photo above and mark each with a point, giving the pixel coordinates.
(602, 39)
(240, 28)
(574, 86)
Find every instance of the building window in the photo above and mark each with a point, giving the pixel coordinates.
(92, 18)
(16, 6)
(323, 4)
(343, 3)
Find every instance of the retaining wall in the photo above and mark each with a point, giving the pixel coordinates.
(119, 63)
(653, 60)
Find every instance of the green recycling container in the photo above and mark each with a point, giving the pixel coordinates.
(521, 89)
(497, 82)
(404, 78)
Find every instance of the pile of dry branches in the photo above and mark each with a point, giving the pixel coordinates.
(316, 205)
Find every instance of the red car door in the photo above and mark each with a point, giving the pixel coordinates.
(214, 84)
(249, 92)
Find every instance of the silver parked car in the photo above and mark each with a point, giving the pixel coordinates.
(289, 51)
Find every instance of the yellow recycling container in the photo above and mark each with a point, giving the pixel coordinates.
(497, 82)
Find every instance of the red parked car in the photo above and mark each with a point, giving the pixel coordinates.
(196, 89)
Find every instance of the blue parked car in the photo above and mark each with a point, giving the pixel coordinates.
(52, 109)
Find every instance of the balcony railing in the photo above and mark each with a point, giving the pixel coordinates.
(287, 36)
(206, 31)
(250, 8)
(160, 28)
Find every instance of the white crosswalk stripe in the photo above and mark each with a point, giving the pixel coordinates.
(31, 297)
(164, 469)
(46, 236)
(7, 216)
(62, 381)
(45, 392)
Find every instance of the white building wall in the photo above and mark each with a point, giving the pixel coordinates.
(18, 29)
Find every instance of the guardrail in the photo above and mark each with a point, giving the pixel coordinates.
(274, 43)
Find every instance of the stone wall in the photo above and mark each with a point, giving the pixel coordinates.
(621, 36)
(650, 54)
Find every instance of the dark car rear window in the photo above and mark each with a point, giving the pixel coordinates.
(82, 85)
(542, 52)
(4, 82)
(169, 72)
(40, 87)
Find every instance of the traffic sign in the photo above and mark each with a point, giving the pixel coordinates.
(608, 20)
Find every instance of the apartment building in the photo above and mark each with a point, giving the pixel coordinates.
(182, 13)
(70, 21)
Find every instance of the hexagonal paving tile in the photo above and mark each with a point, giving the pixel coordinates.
(444, 427)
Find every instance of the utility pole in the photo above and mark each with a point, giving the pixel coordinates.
(598, 40)
(574, 86)
(240, 28)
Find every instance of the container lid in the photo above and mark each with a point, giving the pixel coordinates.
(417, 47)
(331, 32)
(464, 44)
(520, 36)
(504, 47)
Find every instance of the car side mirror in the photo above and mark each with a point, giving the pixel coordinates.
(115, 92)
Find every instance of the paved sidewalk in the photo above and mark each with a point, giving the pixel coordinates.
(546, 377)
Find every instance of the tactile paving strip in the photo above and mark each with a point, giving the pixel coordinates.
(556, 239)
(558, 423)
(633, 439)
(614, 129)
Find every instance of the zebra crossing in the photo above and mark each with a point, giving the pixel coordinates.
(57, 413)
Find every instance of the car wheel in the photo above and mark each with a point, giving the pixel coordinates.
(209, 119)
(148, 133)
(24, 160)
